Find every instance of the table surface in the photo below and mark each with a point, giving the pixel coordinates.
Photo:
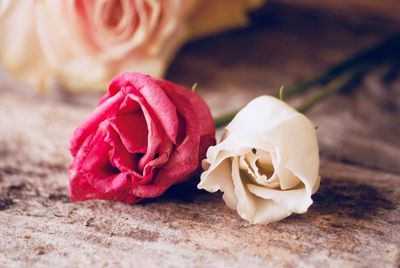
(355, 218)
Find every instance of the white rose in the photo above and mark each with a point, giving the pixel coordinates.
(267, 163)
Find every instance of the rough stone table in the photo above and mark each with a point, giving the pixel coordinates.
(355, 218)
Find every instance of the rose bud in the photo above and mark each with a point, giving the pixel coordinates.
(144, 136)
(267, 163)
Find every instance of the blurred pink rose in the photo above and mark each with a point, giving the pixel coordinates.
(85, 43)
(88, 42)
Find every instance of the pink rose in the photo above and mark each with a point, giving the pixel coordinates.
(88, 42)
(145, 135)
(84, 43)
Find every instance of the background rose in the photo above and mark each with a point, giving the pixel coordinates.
(86, 43)
(144, 136)
(211, 16)
(267, 162)
(20, 50)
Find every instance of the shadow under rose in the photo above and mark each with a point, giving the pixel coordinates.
(350, 199)
(343, 198)
(185, 192)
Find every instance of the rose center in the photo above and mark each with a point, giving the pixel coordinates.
(113, 13)
(114, 21)
(258, 168)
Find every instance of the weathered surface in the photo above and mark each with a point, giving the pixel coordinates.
(355, 220)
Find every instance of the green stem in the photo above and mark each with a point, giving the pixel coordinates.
(335, 86)
(373, 54)
(224, 119)
(350, 78)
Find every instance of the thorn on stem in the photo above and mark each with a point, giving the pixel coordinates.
(281, 89)
(194, 87)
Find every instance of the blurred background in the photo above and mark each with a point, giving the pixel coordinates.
(280, 42)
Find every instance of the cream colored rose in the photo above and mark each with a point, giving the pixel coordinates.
(84, 44)
(89, 42)
(267, 162)
(20, 50)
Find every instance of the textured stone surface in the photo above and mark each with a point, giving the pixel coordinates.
(354, 221)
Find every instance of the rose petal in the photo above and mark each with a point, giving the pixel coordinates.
(90, 125)
(162, 107)
(93, 176)
(132, 129)
(220, 178)
(246, 203)
(202, 112)
(285, 202)
(120, 157)
(155, 134)
(172, 173)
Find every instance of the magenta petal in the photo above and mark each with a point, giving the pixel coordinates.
(97, 158)
(183, 161)
(118, 183)
(155, 134)
(82, 190)
(96, 177)
(93, 177)
(132, 129)
(199, 134)
(119, 156)
(201, 110)
(164, 154)
(90, 125)
(162, 107)
(99, 171)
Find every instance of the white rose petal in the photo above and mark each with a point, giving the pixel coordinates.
(267, 163)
